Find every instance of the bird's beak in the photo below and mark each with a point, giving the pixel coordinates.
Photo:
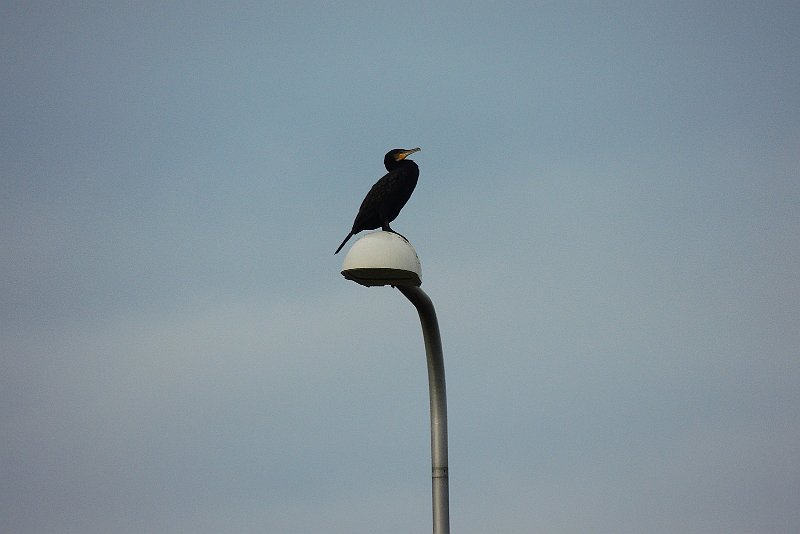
(403, 155)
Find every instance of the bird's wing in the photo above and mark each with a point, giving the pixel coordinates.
(382, 189)
(369, 213)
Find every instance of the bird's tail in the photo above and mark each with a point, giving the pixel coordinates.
(346, 239)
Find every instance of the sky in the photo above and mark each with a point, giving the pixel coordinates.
(607, 217)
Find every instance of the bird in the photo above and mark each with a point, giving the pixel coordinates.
(389, 194)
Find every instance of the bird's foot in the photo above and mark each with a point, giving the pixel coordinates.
(387, 228)
(401, 235)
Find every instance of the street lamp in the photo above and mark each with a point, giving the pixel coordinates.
(385, 258)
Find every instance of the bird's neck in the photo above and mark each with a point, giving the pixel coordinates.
(392, 165)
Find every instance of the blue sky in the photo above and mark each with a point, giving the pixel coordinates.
(607, 216)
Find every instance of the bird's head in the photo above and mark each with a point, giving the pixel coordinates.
(393, 157)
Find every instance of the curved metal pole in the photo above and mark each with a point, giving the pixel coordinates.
(438, 398)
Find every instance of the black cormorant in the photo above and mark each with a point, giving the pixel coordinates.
(389, 194)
